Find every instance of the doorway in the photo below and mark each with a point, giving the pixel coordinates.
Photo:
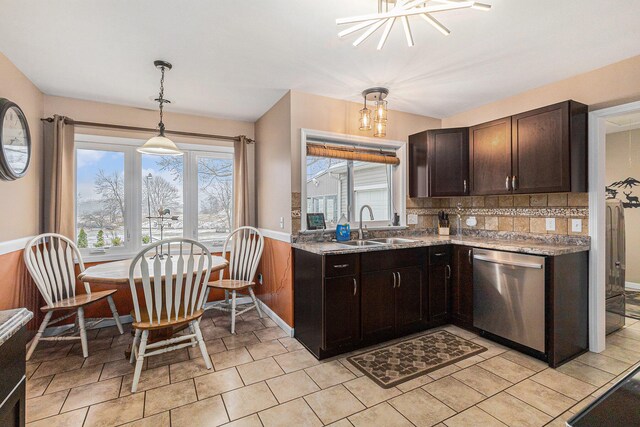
(614, 135)
(622, 174)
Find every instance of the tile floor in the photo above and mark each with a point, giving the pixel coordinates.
(261, 377)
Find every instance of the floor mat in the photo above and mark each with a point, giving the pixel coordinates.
(396, 363)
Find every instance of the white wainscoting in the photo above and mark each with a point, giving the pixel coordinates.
(14, 245)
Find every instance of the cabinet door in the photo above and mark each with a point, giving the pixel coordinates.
(378, 305)
(439, 276)
(448, 162)
(490, 157)
(462, 286)
(541, 157)
(342, 311)
(418, 165)
(409, 290)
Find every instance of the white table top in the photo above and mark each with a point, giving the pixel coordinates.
(117, 272)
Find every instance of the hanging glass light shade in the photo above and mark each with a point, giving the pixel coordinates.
(160, 144)
(381, 111)
(379, 128)
(365, 117)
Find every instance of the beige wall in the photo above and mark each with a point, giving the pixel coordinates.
(611, 85)
(334, 115)
(273, 166)
(623, 161)
(100, 112)
(21, 198)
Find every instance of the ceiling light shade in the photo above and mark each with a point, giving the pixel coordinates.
(378, 122)
(160, 144)
(365, 118)
(390, 10)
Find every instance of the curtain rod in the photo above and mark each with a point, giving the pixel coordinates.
(142, 129)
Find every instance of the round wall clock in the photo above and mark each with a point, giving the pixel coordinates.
(15, 141)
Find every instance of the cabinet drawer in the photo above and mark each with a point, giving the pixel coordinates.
(438, 255)
(393, 258)
(340, 265)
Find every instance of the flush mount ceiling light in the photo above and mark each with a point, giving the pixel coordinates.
(160, 144)
(391, 10)
(376, 119)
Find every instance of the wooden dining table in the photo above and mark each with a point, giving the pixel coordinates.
(117, 273)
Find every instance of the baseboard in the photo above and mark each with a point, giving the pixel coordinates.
(273, 316)
(632, 285)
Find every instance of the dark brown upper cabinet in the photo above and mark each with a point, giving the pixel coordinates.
(490, 157)
(439, 163)
(550, 149)
(539, 151)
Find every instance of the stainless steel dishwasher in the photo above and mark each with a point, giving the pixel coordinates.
(508, 296)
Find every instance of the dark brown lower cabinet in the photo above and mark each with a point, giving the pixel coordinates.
(411, 285)
(439, 283)
(13, 380)
(462, 287)
(378, 305)
(342, 311)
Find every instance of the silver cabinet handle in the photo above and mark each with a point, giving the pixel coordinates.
(513, 263)
(470, 255)
(355, 287)
(394, 279)
(506, 183)
(399, 279)
(341, 266)
(514, 182)
(464, 186)
(448, 267)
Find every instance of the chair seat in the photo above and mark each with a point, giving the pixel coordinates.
(78, 301)
(231, 284)
(165, 322)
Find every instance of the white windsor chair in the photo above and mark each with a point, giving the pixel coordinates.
(175, 288)
(245, 245)
(50, 260)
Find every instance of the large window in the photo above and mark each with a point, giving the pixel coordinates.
(100, 198)
(338, 187)
(125, 200)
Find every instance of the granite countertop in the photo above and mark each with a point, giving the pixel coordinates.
(523, 246)
(11, 321)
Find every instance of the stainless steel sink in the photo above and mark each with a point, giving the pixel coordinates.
(392, 240)
(361, 243)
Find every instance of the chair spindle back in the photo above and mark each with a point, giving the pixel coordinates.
(245, 245)
(50, 260)
(184, 288)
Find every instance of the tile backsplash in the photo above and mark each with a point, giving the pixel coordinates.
(518, 213)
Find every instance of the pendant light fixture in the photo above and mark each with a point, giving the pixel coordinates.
(378, 119)
(160, 144)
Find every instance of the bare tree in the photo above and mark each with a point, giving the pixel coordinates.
(219, 200)
(209, 169)
(163, 194)
(111, 191)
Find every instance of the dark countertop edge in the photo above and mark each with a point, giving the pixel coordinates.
(12, 321)
(533, 248)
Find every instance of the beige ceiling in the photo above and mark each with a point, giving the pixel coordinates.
(236, 58)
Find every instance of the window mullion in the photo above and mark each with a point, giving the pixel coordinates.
(190, 191)
(133, 191)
